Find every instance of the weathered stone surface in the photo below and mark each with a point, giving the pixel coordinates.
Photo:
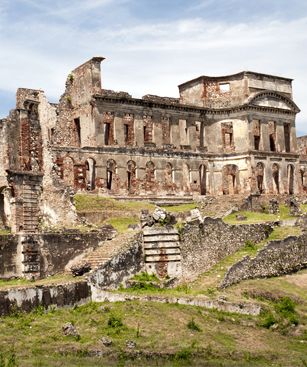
(107, 342)
(80, 269)
(70, 330)
(204, 244)
(221, 305)
(121, 267)
(275, 259)
(27, 299)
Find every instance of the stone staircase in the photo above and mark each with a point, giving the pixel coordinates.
(108, 249)
(162, 251)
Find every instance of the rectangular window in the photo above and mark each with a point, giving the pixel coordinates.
(224, 87)
(126, 133)
(257, 142)
(106, 128)
(77, 131)
(287, 137)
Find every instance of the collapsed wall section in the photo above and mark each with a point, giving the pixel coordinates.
(275, 259)
(204, 244)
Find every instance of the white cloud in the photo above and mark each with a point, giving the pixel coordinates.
(146, 56)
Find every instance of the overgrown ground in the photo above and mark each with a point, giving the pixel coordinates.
(165, 335)
(168, 334)
(120, 214)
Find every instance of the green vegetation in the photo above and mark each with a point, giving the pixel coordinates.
(95, 203)
(172, 335)
(256, 217)
(304, 208)
(121, 224)
(180, 208)
(282, 316)
(55, 279)
(193, 326)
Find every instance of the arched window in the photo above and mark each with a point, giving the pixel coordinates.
(90, 174)
(259, 176)
(275, 176)
(111, 171)
(203, 179)
(131, 175)
(230, 178)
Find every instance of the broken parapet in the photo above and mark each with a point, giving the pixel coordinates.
(275, 259)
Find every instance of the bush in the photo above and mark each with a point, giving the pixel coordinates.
(193, 326)
(267, 320)
(249, 245)
(285, 307)
(184, 354)
(115, 322)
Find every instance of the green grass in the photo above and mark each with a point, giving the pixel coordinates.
(95, 203)
(55, 279)
(304, 208)
(180, 208)
(121, 223)
(256, 217)
(179, 335)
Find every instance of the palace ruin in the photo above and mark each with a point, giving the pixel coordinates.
(223, 136)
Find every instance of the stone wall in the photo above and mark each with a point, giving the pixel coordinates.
(275, 259)
(27, 299)
(205, 244)
(126, 263)
(10, 260)
(46, 254)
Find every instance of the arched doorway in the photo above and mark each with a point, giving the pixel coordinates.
(275, 176)
(203, 179)
(111, 171)
(90, 174)
(168, 174)
(290, 179)
(68, 171)
(230, 179)
(186, 177)
(259, 177)
(131, 175)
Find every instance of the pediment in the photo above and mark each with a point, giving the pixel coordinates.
(272, 100)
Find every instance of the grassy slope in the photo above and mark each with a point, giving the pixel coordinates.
(255, 217)
(120, 213)
(224, 339)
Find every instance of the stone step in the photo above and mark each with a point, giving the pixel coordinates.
(108, 249)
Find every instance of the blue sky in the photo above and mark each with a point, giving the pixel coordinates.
(150, 46)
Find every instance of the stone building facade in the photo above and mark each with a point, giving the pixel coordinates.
(223, 136)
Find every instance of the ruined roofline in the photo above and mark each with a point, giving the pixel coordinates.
(93, 59)
(241, 75)
(246, 105)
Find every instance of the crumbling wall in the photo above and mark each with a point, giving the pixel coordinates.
(27, 299)
(48, 253)
(275, 259)
(121, 267)
(10, 257)
(204, 244)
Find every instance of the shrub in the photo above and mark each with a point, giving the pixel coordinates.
(249, 245)
(267, 320)
(184, 354)
(193, 326)
(115, 322)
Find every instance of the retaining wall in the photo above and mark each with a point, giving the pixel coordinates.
(275, 259)
(204, 244)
